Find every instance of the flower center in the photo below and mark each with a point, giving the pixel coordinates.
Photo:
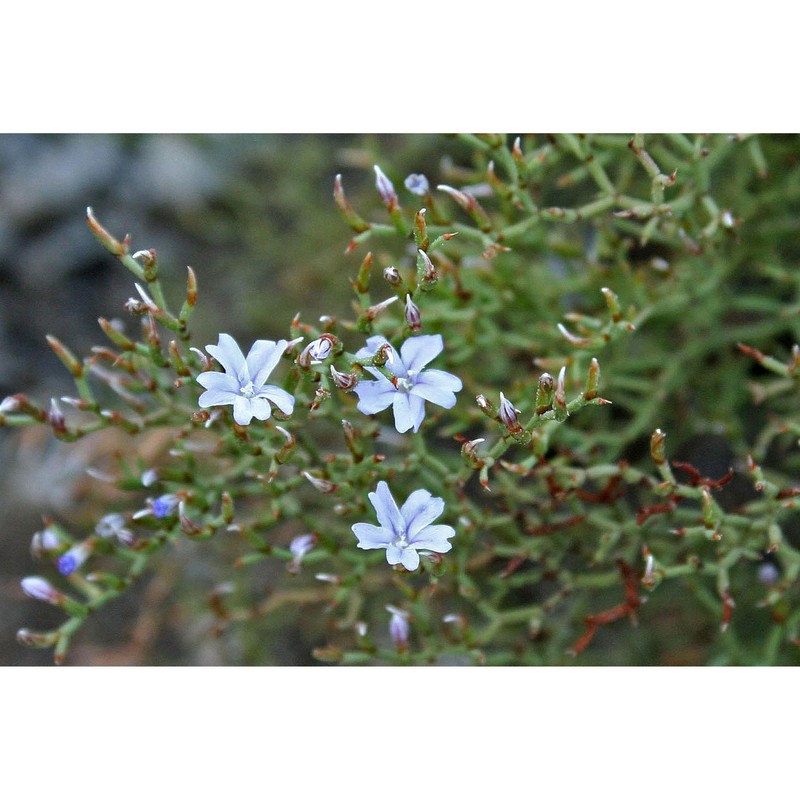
(248, 390)
(405, 385)
(401, 541)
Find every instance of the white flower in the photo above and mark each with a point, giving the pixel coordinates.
(404, 531)
(411, 384)
(243, 384)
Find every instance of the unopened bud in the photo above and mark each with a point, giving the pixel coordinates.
(41, 589)
(559, 396)
(345, 209)
(66, 356)
(657, 446)
(149, 477)
(383, 355)
(508, 415)
(392, 276)
(317, 351)
(373, 311)
(592, 380)
(544, 392)
(385, 189)
(468, 453)
(343, 380)
(320, 484)
(398, 628)
(104, 237)
(45, 543)
(327, 577)
(486, 406)
(427, 276)
(413, 317)
(56, 417)
(10, 405)
(37, 638)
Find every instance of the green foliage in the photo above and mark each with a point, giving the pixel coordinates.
(635, 299)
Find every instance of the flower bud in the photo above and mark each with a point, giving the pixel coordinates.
(413, 317)
(427, 276)
(373, 311)
(37, 638)
(508, 415)
(657, 446)
(398, 628)
(383, 355)
(149, 477)
(40, 589)
(486, 406)
(56, 417)
(392, 276)
(45, 543)
(317, 351)
(469, 455)
(10, 404)
(343, 380)
(385, 189)
(544, 392)
(320, 484)
(299, 546)
(559, 396)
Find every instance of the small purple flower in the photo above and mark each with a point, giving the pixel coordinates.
(161, 508)
(68, 562)
(404, 531)
(411, 385)
(243, 384)
(112, 526)
(417, 184)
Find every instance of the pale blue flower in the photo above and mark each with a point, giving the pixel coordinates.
(417, 184)
(243, 384)
(404, 531)
(411, 385)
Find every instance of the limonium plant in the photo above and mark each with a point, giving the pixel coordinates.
(439, 473)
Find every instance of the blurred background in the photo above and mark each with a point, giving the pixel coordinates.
(254, 216)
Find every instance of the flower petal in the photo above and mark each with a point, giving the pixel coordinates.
(280, 397)
(410, 559)
(263, 357)
(260, 407)
(228, 354)
(433, 394)
(394, 554)
(371, 537)
(418, 351)
(374, 396)
(419, 511)
(441, 379)
(409, 411)
(216, 397)
(242, 412)
(385, 507)
(221, 381)
(434, 538)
